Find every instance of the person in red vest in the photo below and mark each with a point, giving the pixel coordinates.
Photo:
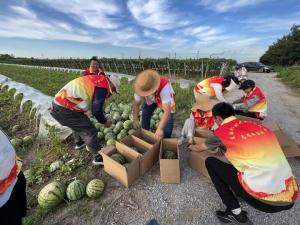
(214, 87)
(155, 91)
(83, 94)
(94, 68)
(254, 104)
(259, 173)
(13, 204)
(201, 118)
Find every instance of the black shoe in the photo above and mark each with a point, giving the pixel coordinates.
(228, 217)
(98, 160)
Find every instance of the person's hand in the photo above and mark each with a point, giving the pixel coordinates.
(108, 122)
(136, 124)
(159, 133)
(194, 148)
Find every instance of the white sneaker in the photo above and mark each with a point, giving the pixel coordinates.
(78, 147)
(87, 148)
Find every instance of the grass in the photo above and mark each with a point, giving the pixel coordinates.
(50, 82)
(290, 75)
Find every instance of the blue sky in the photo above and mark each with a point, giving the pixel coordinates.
(239, 29)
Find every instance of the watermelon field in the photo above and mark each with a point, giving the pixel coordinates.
(92, 196)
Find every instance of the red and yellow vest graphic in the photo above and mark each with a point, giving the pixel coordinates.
(203, 119)
(88, 72)
(163, 82)
(204, 87)
(261, 106)
(81, 89)
(254, 151)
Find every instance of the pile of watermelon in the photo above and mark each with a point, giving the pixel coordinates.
(122, 119)
(22, 143)
(54, 193)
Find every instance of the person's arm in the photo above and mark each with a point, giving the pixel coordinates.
(136, 110)
(218, 91)
(245, 106)
(98, 104)
(212, 144)
(238, 101)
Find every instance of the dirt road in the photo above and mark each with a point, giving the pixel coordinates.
(194, 200)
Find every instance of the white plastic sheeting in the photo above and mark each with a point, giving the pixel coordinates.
(40, 102)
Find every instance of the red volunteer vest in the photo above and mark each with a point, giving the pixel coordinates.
(205, 85)
(88, 72)
(163, 82)
(261, 106)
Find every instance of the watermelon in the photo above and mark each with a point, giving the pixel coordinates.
(107, 109)
(126, 165)
(119, 125)
(161, 114)
(169, 155)
(128, 124)
(98, 126)
(29, 176)
(131, 131)
(100, 135)
(118, 158)
(111, 142)
(155, 117)
(131, 117)
(94, 120)
(52, 194)
(16, 142)
(76, 190)
(117, 130)
(28, 140)
(121, 135)
(95, 188)
(107, 130)
(55, 165)
(110, 136)
(116, 116)
(125, 115)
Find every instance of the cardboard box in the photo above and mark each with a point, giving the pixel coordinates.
(169, 168)
(118, 171)
(145, 151)
(150, 138)
(243, 118)
(289, 147)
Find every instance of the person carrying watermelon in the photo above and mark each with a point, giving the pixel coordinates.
(94, 68)
(155, 91)
(215, 86)
(75, 99)
(259, 173)
(13, 204)
(201, 119)
(253, 104)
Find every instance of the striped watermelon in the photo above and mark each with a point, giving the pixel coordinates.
(51, 195)
(76, 190)
(28, 140)
(55, 165)
(111, 142)
(128, 124)
(110, 136)
(118, 158)
(169, 155)
(95, 188)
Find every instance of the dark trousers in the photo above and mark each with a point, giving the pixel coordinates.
(248, 114)
(14, 209)
(83, 129)
(147, 112)
(225, 180)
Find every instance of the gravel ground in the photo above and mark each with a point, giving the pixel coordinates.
(195, 199)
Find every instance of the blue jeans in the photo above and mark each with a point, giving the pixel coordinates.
(147, 112)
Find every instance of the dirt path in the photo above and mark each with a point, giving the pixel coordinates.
(194, 200)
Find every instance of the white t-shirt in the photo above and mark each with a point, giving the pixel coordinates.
(165, 96)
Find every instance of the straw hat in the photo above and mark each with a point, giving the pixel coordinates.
(146, 83)
(203, 103)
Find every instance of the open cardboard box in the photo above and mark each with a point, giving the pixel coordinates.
(118, 171)
(202, 133)
(169, 168)
(197, 159)
(289, 147)
(145, 151)
(150, 138)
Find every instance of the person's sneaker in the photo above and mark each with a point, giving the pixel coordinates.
(87, 148)
(98, 160)
(228, 217)
(78, 147)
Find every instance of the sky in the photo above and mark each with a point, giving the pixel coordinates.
(238, 29)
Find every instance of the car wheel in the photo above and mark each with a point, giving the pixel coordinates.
(268, 71)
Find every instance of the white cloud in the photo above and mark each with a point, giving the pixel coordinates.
(205, 33)
(229, 5)
(94, 13)
(155, 14)
(23, 11)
